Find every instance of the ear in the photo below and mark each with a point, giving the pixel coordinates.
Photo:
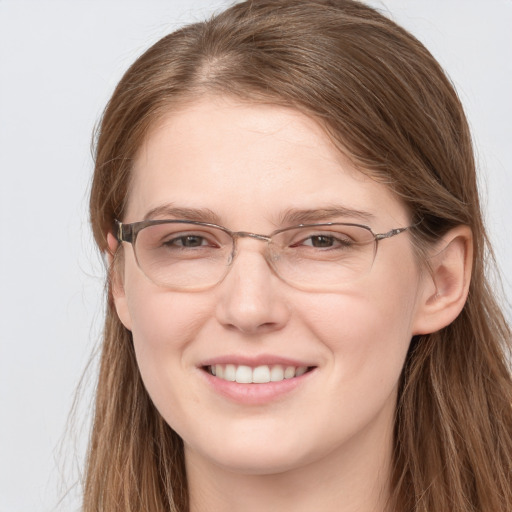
(116, 264)
(446, 281)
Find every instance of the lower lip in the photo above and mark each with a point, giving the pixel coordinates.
(256, 394)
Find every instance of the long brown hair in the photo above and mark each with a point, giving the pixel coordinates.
(385, 101)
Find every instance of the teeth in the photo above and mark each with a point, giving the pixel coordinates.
(301, 370)
(276, 373)
(289, 372)
(261, 374)
(230, 372)
(243, 374)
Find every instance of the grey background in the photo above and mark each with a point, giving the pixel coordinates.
(59, 62)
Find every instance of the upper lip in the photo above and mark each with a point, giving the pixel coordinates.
(254, 361)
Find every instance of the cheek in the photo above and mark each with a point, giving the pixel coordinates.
(160, 320)
(164, 324)
(164, 327)
(367, 331)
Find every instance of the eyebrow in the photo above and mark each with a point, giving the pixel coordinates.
(168, 211)
(336, 212)
(289, 217)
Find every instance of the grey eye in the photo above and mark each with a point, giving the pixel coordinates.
(189, 241)
(324, 241)
(321, 241)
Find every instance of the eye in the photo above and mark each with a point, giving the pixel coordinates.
(321, 241)
(182, 240)
(325, 241)
(188, 241)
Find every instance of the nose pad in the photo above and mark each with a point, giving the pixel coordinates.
(250, 298)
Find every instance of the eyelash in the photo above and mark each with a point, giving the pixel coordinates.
(334, 241)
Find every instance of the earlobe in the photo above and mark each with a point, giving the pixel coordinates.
(117, 289)
(447, 285)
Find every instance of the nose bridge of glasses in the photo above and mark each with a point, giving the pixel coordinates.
(256, 236)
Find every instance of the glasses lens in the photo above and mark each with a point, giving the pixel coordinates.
(183, 256)
(323, 257)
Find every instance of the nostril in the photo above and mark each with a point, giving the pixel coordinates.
(264, 327)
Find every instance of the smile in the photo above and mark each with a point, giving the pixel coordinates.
(262, 374)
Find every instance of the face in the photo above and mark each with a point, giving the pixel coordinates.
(248, 165)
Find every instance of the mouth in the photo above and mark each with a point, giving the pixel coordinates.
(261, 374)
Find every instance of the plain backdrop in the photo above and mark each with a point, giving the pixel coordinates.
(59, 62)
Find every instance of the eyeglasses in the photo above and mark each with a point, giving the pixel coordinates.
(184, 255)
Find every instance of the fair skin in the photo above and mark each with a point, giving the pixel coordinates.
(325, 443)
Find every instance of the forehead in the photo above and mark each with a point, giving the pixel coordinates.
(243, 161)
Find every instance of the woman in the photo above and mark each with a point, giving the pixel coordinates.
(298, 313)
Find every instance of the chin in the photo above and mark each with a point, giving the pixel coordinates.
(263, 454)
(259, 462)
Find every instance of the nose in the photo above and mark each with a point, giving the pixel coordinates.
(251, 298)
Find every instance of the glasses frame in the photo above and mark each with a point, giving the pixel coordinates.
(128, 233)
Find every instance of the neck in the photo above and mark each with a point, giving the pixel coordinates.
(349, 479)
